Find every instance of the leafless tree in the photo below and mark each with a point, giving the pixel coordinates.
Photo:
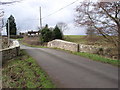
(103, 16)
(63, 26)
(6, 3)
(91, 34)
(9, 2)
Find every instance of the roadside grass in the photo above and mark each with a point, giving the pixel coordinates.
(20, 39)
(94, 57)
(23, 72)
(37, 46)
(99, 58)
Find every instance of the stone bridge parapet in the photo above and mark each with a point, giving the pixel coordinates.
(9, 53)
(107, 52)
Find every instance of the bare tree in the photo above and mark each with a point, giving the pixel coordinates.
(10, 2)
(63, 26)
(103, 16)
(91, 34)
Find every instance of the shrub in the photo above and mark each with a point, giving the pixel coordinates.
(46, 34)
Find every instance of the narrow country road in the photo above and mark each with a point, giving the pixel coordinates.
(72, 71)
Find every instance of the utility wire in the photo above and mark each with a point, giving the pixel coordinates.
(60, 9)
(56, 11)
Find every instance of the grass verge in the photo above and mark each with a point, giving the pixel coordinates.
(19, 39)
(94, 57)
(23, 72)
(37, 46)
(99, 58)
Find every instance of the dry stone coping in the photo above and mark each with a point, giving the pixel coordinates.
(15, 44)
(61, 41)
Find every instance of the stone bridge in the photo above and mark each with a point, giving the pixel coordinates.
(74, 47)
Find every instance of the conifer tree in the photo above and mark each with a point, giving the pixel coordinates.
(57, 34)
(12, 26)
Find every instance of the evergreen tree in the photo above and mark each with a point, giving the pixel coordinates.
(46, 34)
(12, 26)
(57, 34)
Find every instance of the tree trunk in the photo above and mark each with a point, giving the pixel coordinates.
(119, 42)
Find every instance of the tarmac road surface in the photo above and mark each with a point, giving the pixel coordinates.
(72, 71)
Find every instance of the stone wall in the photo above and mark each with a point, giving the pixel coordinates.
(11, 52)
(107, 52)
(63, 45)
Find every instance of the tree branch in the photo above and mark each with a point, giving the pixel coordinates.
(114, 19)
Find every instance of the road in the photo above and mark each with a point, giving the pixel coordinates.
(72, 71)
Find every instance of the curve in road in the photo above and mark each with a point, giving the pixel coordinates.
(72, 71)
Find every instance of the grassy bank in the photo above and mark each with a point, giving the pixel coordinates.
(23, 72)
(94, 57)
(26, 44)
(99, 58)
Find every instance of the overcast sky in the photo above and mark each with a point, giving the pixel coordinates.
(26, 14)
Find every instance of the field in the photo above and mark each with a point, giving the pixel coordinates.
(75, 38)
(83, 39)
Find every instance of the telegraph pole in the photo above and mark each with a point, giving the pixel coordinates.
(1, 27)
(40, 19)
(8, 32)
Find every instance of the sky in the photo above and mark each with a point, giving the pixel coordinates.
(27, 14)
